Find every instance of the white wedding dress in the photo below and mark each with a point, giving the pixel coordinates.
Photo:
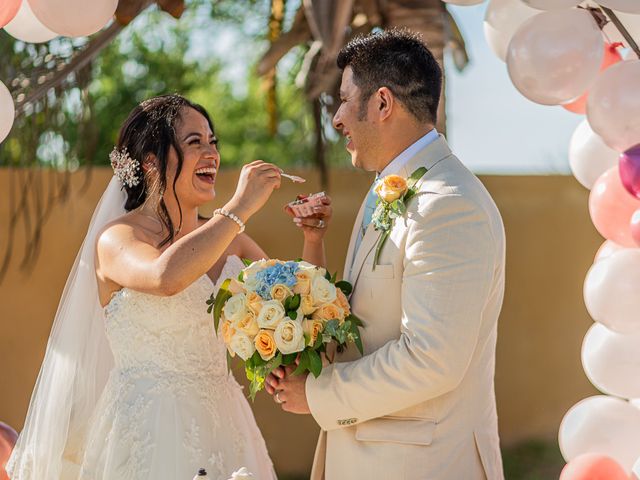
(170, 405)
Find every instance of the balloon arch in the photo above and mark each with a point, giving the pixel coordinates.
(582, 56)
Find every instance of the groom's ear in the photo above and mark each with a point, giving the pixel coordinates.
(385, 102)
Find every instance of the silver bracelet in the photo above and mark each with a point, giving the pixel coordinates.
(231, 216)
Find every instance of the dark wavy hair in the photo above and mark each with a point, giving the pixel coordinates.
(399, 60)
(150, 129)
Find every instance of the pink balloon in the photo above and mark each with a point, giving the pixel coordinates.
(611, 208)
(629, 167)
(611, 57)
(592, 466)
(635, 227)
(72, 18)
(8, 11)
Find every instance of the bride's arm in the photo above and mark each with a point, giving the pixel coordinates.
(125, 259)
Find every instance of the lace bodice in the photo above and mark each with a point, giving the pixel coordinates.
(168, 335)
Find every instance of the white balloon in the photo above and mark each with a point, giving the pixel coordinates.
(463, 2)
(501, 20)
(25, 26)
(551, 4)
(7, 111)
(636, 468)
(611, 361)
(631, 24)
(628, 6)
(589, 156)
(74, 18)
(604, 425)
(550, 63)
(611, 291)
(608, 248)
(613, 106)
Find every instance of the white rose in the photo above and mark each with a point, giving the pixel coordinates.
(249, 273)
(313, 270)
(236, 307)
(289, 336)
(271, 314)
(322, 291)
(242, 474)
(242, 345)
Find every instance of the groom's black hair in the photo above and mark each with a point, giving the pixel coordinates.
(399, 60)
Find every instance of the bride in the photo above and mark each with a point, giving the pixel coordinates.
(135, 383)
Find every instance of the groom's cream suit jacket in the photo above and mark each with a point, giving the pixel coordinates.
(420, 404)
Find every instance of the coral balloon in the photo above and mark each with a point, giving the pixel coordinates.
(502, 19)
(635, 227)
(8, 11)
(611, 57)
(611, 207)
(7, 111)
(551, 4)
(613, 107)
(630, 170)
(611, 361)
(607, 249)
(551, 63)
(72, 18)
(26, 27)
(611, 291)
(604, 425)
(589, 156)
(628, 6)
(592, 466)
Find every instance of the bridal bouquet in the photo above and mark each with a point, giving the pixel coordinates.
(276, 312)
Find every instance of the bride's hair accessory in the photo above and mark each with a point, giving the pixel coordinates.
(124, 167)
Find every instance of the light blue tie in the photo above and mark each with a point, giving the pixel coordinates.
(369, 208)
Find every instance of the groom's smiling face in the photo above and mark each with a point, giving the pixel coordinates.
(352, 120)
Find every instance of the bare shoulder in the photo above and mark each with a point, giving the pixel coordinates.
(127, 230)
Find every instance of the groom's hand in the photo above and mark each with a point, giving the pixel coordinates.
(288, 390)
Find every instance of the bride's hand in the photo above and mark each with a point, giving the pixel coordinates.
(255, 185)
(315, 226)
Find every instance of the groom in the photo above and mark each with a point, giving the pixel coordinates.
(420, 404)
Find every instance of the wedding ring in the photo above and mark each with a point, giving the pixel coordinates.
(277, 398)
(320, 223)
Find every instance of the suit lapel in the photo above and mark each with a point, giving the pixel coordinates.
(366, 247)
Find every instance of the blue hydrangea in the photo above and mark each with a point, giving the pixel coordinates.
(280, 273)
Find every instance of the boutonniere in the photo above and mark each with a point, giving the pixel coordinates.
(394, 193)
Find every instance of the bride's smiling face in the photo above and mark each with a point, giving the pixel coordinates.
(200, 160)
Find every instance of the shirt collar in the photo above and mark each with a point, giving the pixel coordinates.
(401, 160)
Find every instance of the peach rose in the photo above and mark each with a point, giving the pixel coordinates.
(391, 188)
(328, 311)
(342, 302)
(280, 292)
(227, 331)
(265, 344)
(248, 324)
(254, 303)
(311, 329)
(303, 283)
(307, 305)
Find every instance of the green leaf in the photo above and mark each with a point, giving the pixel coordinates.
(274, 363)
(210, 302)
(331, 328)
(241, 276)
(289, 359)
(345, 286)
(355, 331)
(327, 275)
(254, 387)
(295, 302)
(221, 298)
(303, 365)
(381, 240)
(334, 277)
(257, 360)
(293, 315)
(315, 363)
(415, 177)
(247, 262)
(318, 343)
(355, 320)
